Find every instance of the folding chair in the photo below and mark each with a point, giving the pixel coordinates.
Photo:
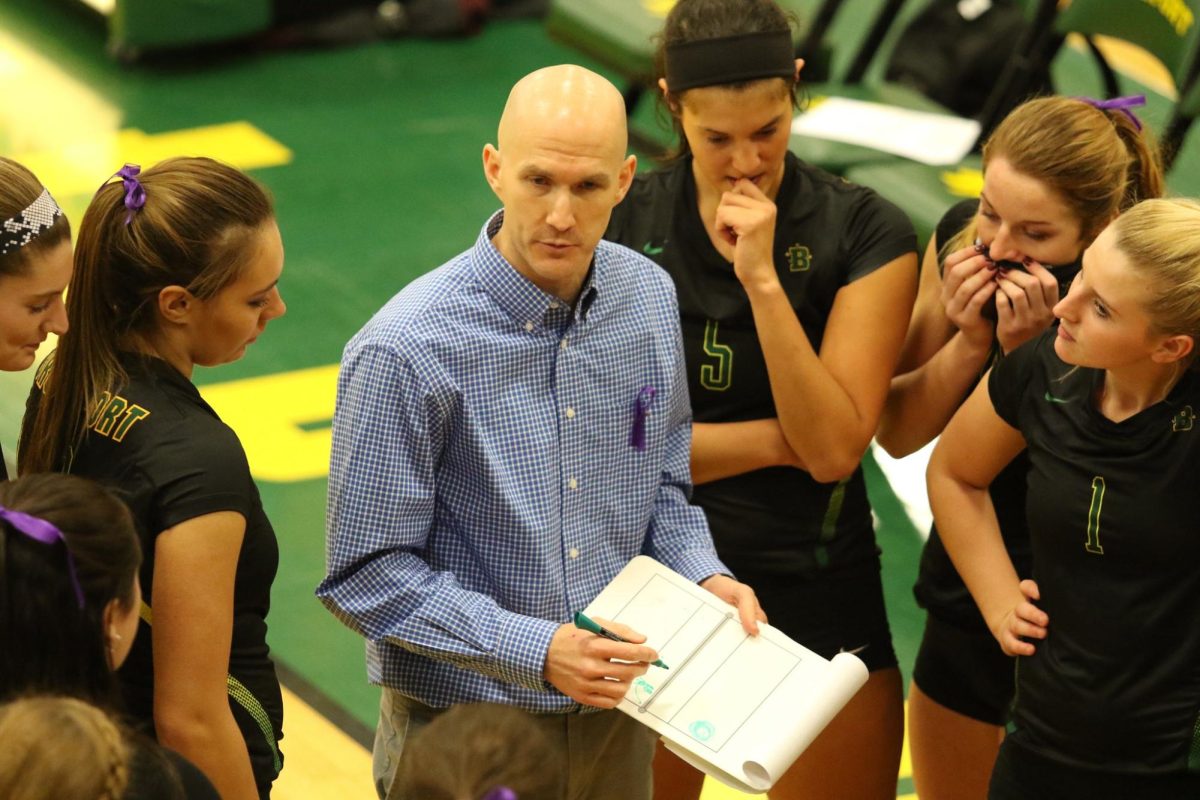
(1187, 108)
(137, 26)
(1184, 176)
(841, 157)
(926, 192)
(618, 34)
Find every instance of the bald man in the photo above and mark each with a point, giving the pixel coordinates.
(511, 429)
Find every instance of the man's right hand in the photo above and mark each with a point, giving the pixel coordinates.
(581, 666)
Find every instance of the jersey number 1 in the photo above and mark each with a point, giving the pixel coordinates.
(1093, 530)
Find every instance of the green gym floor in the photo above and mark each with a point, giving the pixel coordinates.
(373, 155)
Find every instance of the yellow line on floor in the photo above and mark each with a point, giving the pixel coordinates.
(76, 169)
(322, 762)
(270, 414)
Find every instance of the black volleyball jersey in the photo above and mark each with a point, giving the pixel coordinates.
(939, 589)
(828, 233)
(1114, 517)
(164, 451)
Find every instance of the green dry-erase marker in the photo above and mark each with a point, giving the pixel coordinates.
(585, 623)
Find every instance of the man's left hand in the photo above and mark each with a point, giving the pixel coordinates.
(739, 595)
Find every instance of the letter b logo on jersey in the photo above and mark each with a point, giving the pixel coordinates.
(799, 258)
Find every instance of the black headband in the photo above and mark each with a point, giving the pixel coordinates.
(730, 59)
(36, 219)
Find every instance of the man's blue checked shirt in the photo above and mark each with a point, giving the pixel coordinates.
(483, 485)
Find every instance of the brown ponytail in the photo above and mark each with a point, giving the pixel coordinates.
(1144, 177)
(1097, 161)
(196, 230)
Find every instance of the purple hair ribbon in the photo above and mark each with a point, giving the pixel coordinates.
(637, 434)
(500, 793)
(1122, 104)
(135, 193)
(45, 532)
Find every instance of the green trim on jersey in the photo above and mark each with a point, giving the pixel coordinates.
(1193, 763)
(1010, 727)
(829, 523)
(246, 699)
(238, 692)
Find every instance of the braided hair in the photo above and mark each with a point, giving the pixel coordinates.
(61, 747)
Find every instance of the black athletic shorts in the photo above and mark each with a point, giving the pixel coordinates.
(837, 611)
(1022, 774)
(965, 670)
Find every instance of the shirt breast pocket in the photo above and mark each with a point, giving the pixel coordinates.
(637, 428)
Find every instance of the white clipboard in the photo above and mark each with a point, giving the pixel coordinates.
(737, 707)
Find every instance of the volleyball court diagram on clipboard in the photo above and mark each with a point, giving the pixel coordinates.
(741, 708)
(710, 662)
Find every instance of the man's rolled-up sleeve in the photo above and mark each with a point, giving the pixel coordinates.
(389, 431)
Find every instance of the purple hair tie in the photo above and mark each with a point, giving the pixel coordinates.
(500, 793)
(637, 434)
(135, 193)
(1122, 104)
(45, 532)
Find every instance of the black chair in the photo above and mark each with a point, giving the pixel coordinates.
(926, 192)
(619, 35)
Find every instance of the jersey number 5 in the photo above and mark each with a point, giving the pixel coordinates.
(716, 377)
(1093, 529)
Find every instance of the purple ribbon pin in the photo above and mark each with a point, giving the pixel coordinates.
(135, 193)
(42, 531)
(637, 434)
(500, 793)
(1122, 104)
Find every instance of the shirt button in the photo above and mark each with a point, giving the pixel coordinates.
(573, 484)
(573, 552)
(529, 326)
(563, 343)
(554, 304)
(570, 413)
